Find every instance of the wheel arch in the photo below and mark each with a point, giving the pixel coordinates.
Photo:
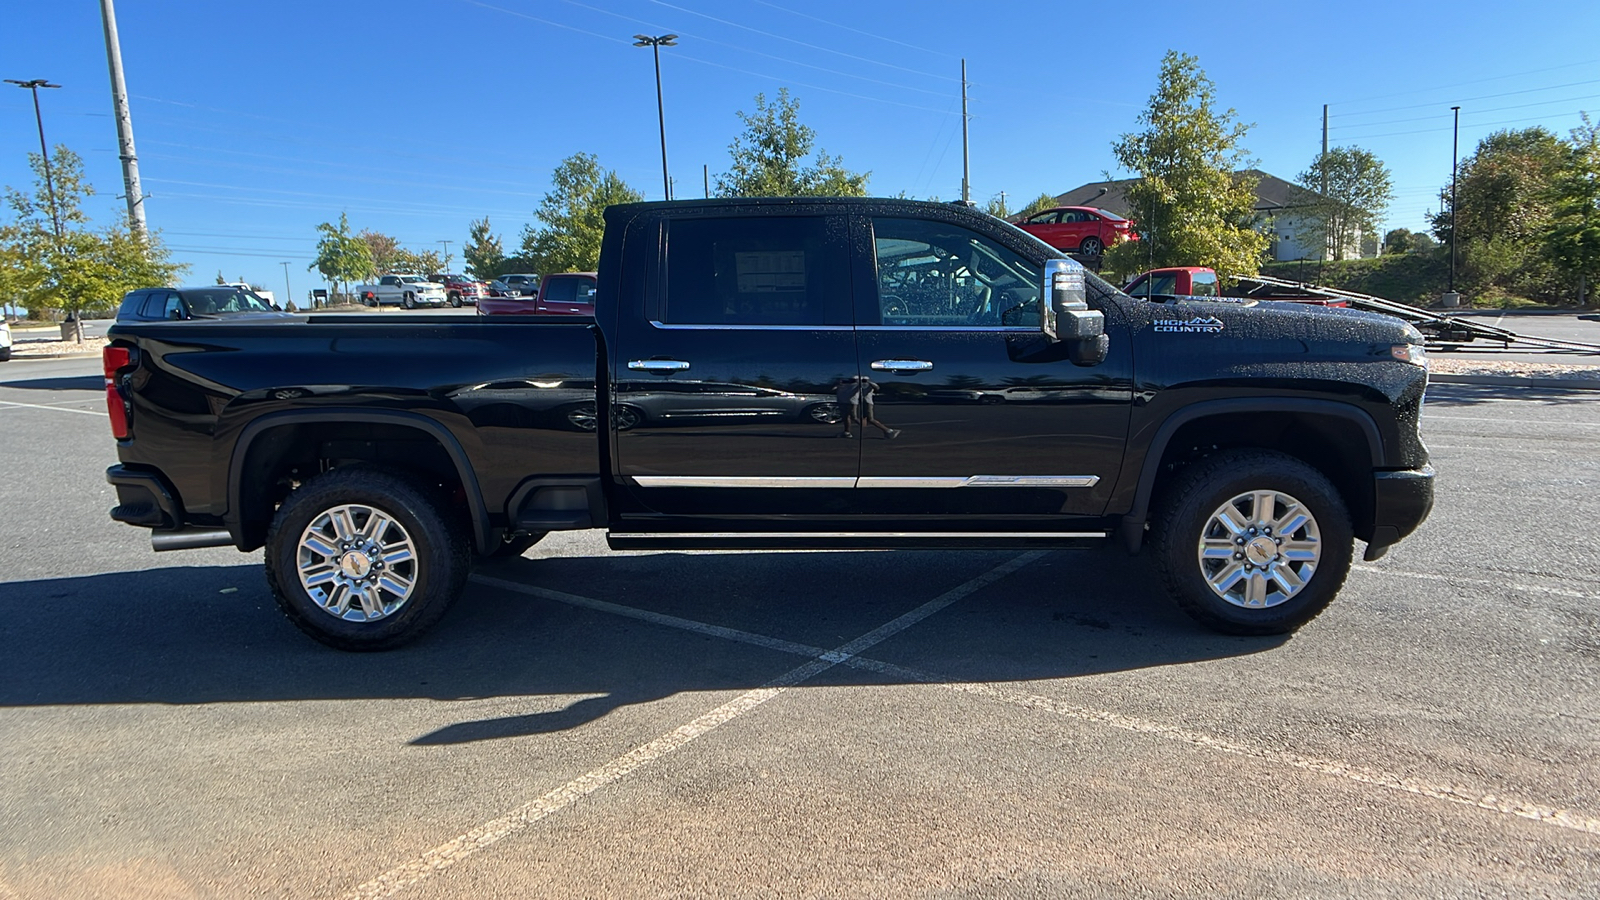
(1340, 440)
(270, 446)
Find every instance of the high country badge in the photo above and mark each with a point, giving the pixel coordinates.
(1196, 325)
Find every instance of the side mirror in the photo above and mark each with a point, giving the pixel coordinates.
(1065, 315)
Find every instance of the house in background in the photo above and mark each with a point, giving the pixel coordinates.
(1281, 210)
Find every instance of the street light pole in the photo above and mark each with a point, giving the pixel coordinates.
(1455, 134)
(288, 292)
(44, 150)
(655, 44)
(447, 254)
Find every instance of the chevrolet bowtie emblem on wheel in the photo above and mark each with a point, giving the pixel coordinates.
(1198, 324)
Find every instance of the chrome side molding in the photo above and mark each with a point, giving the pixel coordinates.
(956, 481)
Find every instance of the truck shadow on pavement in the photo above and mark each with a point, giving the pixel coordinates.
(194, 635)
(94, 383)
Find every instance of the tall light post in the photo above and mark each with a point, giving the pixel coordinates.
(49, 183)
(1455, 134)
(288, 292)
(655, 44)
(447, 254)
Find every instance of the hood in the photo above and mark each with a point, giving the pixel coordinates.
(1301, 321)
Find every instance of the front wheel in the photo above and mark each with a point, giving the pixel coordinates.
(410, 300)
(1091, 246)
(1252, 542)
(455, 300)
(364, 559)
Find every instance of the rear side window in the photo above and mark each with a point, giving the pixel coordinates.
(756, 271)
(561, 290)
(132, 305)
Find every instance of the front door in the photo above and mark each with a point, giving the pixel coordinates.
(969, 412)
(725, 400)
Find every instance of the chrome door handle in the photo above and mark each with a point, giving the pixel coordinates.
(902, 365)
(657, 365)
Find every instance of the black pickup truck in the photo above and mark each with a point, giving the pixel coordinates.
(785, 373)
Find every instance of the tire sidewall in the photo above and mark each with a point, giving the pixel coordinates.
(441, 561)
(1212, 482)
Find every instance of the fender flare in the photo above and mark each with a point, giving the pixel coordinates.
(483, 535)
(1133, 522)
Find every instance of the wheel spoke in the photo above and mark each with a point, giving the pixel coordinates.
(318, 573)
(1255, 592)
(338, 600)
(1262, 506)
(399, 585)
(317, 545)
(1288, 579)
(377, 524)
(1230, 518)
(371, 604)
(1300, 551)
(1227, 577)
(1217, 548)
(1291, 521)
(344, 526)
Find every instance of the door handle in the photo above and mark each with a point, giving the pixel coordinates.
(902, 365)
(657, 365)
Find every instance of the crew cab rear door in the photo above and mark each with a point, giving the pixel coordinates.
(724, 382)
(974, 414)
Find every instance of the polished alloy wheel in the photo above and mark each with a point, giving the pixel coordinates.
(1259, 549)
(357, 563)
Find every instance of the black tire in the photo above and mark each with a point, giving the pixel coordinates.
(440, 561)
(1187, 510)
(455, 300)
(410, 300)
(514, 545)
(1091, 246)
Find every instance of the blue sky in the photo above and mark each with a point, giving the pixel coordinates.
(256, 121)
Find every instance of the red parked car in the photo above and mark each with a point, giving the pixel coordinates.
(567, 293)
(1083, 229)
(460, 289)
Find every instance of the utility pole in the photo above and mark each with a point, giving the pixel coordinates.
(966, 160)
(1455, 134)
(119, 102)
(655, 44)
(1322, 164)
(288, 292)
(49, 182)
(447, 254)
(705, 174)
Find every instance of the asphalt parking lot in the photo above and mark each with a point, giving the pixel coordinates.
(589, 723)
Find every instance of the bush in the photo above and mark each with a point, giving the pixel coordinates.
(1416, 278)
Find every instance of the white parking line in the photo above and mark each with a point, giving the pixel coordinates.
(490, 833)
(1481, 582)
(5, 404)
(1546, 814)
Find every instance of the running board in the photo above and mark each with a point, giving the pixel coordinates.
(860, 540)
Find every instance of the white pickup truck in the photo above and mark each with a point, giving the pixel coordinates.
(410, 291)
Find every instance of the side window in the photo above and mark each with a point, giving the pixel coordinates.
(1205, 284)
(940, 275)
(775, 270)
(1163, 283)
(1045, 218)
(561, 290)
(171, 305)
(586, 290)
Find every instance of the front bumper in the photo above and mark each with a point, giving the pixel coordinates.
(1401, 502)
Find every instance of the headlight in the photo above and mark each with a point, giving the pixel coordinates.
(1414, 354)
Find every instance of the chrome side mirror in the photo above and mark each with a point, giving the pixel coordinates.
(1065, 314)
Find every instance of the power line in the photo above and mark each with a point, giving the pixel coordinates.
(1457, 84)
(869, 34)
(1480, 97)
(1475, 111)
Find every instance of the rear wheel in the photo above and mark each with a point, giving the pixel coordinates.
(1091, 246)
(364, 559)
(1252, 542)
(455, 300)
(410, 300)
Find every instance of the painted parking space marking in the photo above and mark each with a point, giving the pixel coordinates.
(465, 845)
(1365, 775)
(1479, 582)
(13, 404)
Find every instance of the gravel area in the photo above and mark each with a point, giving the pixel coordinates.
(24, 347)
(1513, 369)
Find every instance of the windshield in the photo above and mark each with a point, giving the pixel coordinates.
(224, 300)
(412, 279)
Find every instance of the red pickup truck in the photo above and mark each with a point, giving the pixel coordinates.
(567, 294)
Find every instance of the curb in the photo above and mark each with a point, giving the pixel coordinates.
(1568, 384)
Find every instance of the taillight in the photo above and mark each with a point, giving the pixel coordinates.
(114, 360)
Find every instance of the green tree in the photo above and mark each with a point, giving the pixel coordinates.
(572, 216)
(342, 257)
(81, 268)
(1503, 208)
(1189, 202)
(424, 262)
(1349, 190)
(384, 248)
(1040, 203)
(997, 206)
(483, 251)
(767, 160)
(1572, 241)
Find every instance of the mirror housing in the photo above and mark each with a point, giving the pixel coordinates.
(1065, 314)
